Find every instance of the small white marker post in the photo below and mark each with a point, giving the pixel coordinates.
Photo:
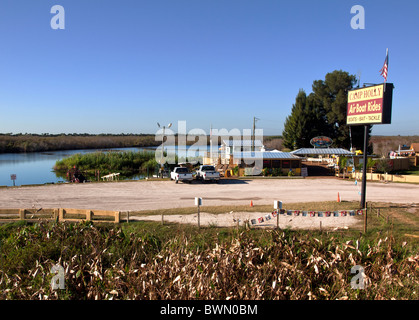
(278, 207)
(198, 203)
(13, 178)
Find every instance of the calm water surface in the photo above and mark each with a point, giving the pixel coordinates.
(37, 167)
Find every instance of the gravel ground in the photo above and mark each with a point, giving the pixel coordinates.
(234, 218)
(149, 195)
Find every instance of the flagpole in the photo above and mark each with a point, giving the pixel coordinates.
(385, 79)
(211, 142)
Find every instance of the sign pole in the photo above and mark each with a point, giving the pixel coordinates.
(364, 175)
(198, 203)
(368, 106)
(13, 178)
(199, 218)
(278, 207)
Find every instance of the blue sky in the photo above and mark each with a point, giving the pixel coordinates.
(122, 66)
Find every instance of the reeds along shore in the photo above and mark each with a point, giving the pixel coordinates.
(109, 161)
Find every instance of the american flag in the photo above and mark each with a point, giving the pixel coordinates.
(384, 69)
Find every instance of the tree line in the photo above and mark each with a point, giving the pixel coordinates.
(17, 143)
(323, 113)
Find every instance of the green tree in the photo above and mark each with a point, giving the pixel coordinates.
(323, 112)
(332, 95)
(306, 121)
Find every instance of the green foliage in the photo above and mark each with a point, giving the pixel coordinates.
(305, 122)
(332, 94)
(272, 172)
(323, 112)
(109, 161)
(236, 170)
(371, 163)
(343, 161)
(149, 164)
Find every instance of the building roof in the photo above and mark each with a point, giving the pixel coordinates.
(265, 155)
(242, 143)
(415, 146)
(322, 151)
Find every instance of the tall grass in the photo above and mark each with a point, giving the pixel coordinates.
(126, 162)
(144, 261)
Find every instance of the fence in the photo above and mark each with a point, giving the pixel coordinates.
(379, 214)
(59, 214)
(387, 177)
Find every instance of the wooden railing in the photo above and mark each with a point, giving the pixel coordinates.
(376, 210)
(60, 214)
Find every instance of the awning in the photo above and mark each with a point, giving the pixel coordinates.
(265, 155)
(322, 151)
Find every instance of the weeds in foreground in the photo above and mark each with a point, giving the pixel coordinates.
(116, 263)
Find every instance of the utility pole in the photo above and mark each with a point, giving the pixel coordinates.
(253, 135)
(162, 149)
(211, 143)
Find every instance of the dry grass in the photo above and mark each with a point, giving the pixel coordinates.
(147, 261)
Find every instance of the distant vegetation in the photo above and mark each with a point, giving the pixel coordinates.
(47, 142)
(16, 143)
(382, 145)
(274, 142)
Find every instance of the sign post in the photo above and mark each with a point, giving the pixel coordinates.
(13, 178)
(364, 168)
(278, 207)
(368, 106)
(198, 203)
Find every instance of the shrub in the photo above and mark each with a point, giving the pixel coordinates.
(384, 165)
(109, 161)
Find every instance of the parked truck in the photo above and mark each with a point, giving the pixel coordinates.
(207, 173)
(181, 174)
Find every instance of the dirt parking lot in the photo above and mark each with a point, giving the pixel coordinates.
(148, 195)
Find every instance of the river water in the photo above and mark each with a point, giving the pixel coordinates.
(37, 167)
